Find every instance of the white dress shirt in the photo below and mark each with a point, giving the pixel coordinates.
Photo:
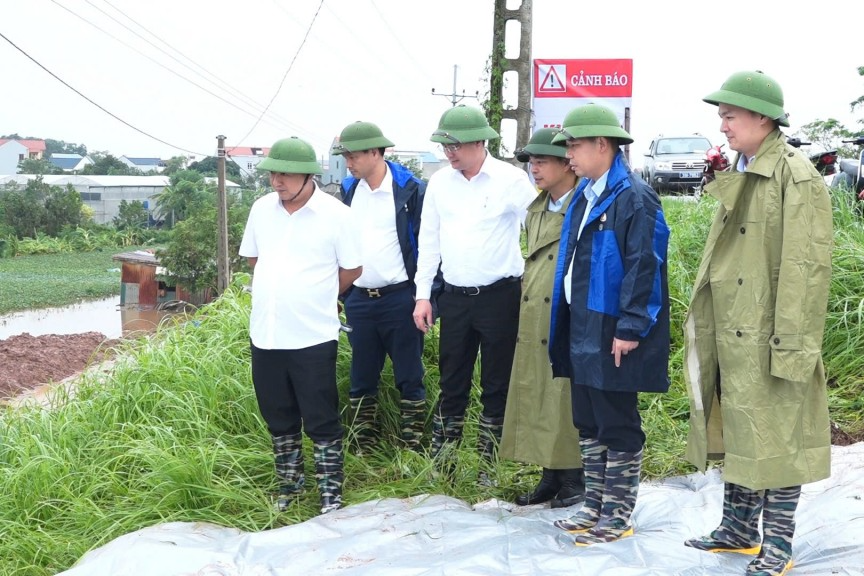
(591, 192)
(296, 278)
(374, 213)
(471, 227)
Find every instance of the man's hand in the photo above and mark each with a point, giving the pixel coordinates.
(621, 347)
(423, 315)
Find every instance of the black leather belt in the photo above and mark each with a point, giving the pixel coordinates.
(475, 290)
(378, 292)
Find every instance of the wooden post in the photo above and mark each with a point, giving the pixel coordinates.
(223, 269)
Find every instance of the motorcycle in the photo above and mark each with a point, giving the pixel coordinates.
(715, 161)
(825, 162)
(851, 174)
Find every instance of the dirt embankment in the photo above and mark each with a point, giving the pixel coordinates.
(27, 362)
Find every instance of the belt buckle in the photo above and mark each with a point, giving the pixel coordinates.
(373, 293)
(475, 293)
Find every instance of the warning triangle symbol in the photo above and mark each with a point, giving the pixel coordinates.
(552, 82)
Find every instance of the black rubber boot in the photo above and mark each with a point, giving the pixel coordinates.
(545, 490)
(572, 489)
(489, 432)
(329, 474)
(413, 423)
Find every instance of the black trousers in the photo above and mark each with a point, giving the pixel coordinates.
(610, 417)
(296, 390)
(488, 323)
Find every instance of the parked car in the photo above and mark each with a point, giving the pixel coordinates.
(675, 163)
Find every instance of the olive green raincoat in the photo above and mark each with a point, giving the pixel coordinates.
(538, 419)
(753, 332)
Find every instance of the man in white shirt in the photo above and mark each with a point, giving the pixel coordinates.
(386, 201)
(472, 218)
(299, 243)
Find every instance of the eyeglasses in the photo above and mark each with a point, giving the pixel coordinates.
(451, 148)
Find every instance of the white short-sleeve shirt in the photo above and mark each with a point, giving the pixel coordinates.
(296, 279)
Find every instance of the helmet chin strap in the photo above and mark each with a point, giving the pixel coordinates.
(302, 186)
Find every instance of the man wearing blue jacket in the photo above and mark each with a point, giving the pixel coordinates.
(386, 200)
(610, 317)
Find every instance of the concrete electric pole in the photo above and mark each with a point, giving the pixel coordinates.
(455, 97)
(521, 65)
(223, 270)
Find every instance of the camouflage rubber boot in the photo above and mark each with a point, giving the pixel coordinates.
(619, 499)
(362, 431)
(778, 524)
(413, 421)
(446, 430)
(594, 463)
(489, 432)
(739, 527)
(288, 455)
(572, 489)
(329, 474)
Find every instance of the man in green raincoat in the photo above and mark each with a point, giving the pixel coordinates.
(538, 419)
(753, 332)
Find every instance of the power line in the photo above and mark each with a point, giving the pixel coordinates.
(97, 105)
(248, 100)
(284, 76)
(161, 65)
(399, 41)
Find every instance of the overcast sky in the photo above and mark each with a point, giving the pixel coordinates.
(186, 71)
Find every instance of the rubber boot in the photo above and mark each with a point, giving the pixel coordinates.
(572, 489)
(446, 431)
(329, 474)
(361, 423)
(413, 421)
(594, 463)
(778, 524)
(619, 499)
(288, 455)
(489, 432)
(545, 490)
(739, 527)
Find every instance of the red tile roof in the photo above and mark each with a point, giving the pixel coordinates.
(31, 145)
(247, 151)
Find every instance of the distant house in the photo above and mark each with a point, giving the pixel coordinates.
(140, 287)
(144, 164)
(13, 151)
(73, 163)
(104, 193)
(247, 158)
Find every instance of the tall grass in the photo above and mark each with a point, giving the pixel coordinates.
(175, 434)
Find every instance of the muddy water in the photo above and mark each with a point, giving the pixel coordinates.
(105, 316)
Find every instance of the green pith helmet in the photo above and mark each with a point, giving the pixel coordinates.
(360, 136)
(540, 144)
(291, 156)
(590, 121)
(462, 124)
(752, 90)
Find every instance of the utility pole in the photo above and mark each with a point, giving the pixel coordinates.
(521, 65)
(455, 98)
(223, 270)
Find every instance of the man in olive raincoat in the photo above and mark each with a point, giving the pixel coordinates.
(538, 420)
(753, 332)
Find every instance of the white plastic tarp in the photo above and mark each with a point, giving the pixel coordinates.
(438, 535)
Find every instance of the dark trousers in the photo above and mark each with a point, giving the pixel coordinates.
(383, 327)
(612, 418)
(489, 322)
(296, 389)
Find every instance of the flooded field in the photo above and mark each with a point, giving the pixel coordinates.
(105, 316)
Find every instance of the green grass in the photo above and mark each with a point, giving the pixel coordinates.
(50, 280)
(175, 434)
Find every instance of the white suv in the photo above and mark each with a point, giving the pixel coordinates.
(675, 163)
